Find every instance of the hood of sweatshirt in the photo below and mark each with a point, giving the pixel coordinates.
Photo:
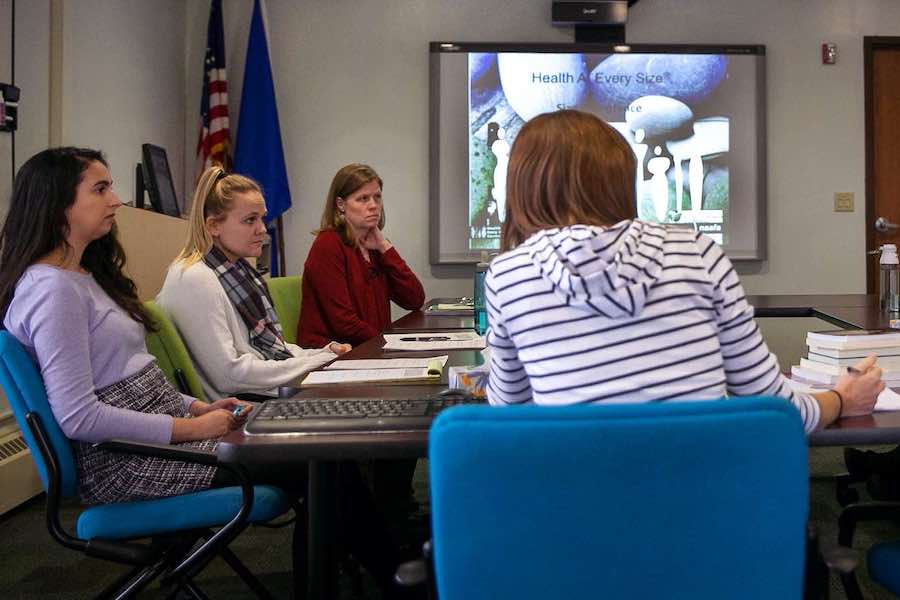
(607, 270)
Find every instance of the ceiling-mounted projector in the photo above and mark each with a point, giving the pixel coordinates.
(590, 12)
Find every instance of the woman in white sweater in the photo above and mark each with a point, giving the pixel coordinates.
(224, 312)
(219, 303)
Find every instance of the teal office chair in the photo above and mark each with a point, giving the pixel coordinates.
(882, 559)
(884, 565)
(671, 500)
(171, 354)
(285, 292)
(113, 531)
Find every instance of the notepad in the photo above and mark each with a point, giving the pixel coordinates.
(441, 306)
(461, 305)
(433, 363)
(440, 340)
(337, 376)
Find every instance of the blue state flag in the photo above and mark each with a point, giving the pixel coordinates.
(258, 151)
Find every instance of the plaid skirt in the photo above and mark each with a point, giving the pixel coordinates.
(105, 477)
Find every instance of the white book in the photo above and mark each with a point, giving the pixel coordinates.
(812, 376)
(815, 376)
(430, 362)
(891, 363)
(854, 353)
(854, 338)
(805, 363)
(439, 340)
(369, 376)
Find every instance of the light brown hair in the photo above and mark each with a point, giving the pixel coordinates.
(213, 197)
(346, 181)
(566, 168)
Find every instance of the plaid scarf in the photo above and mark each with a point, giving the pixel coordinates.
(251, 299)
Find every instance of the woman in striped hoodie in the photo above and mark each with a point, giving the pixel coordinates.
(589, 304)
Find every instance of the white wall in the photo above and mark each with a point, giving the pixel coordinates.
(31, 76)
(816, 138)
(5, 75)
(32, 60)
(352, 85)
(123, 82)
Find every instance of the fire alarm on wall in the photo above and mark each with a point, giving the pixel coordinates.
(829, 54)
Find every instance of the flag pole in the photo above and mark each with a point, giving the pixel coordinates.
(280, 241)
(258, 152)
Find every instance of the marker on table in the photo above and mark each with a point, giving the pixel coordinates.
(427, 338)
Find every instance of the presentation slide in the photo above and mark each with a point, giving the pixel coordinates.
(675, 110)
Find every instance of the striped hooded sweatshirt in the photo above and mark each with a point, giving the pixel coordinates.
(635, 312)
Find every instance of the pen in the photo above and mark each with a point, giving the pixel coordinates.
(853, 371)
(238, 410)
(427, 338)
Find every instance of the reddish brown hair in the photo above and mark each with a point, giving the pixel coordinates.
(567, 167)
(346, 181)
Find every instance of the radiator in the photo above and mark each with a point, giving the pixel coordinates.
(19, 480)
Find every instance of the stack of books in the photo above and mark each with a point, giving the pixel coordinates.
(831, 352)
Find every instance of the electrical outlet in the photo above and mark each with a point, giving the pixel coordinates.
(843, 202)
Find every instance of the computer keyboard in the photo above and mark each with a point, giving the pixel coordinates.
(349, 415)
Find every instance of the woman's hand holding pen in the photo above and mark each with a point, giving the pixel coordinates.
(859, 388)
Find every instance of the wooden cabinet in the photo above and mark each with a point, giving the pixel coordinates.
(151, 242)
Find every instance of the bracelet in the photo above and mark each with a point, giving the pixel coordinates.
(840, 402)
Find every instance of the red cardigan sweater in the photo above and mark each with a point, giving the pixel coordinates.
(345, 298)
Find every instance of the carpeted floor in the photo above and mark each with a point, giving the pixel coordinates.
(32, 566)
(824, 463)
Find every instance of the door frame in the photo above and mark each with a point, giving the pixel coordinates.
(870, 45)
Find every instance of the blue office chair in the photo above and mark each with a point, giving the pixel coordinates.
(882, 559)
(111, 531)
(676, 500)
(884, 565)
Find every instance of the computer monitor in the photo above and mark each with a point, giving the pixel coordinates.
(158, 180)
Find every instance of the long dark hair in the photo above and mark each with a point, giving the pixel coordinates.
(36, 225)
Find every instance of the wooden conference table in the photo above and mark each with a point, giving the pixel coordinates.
(845, 311)
(322, 451)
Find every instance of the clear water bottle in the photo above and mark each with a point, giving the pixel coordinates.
(481, 317)
(889, 279)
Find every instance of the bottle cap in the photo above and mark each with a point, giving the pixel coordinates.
(485, 260)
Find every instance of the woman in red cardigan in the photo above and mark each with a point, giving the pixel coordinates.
(352, 271)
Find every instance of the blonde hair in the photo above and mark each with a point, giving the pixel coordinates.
(346, 181)
(567, 167)
(213, 197)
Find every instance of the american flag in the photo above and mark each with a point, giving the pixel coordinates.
(214, 143)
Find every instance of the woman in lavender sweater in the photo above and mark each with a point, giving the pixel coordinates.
(64, 296)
